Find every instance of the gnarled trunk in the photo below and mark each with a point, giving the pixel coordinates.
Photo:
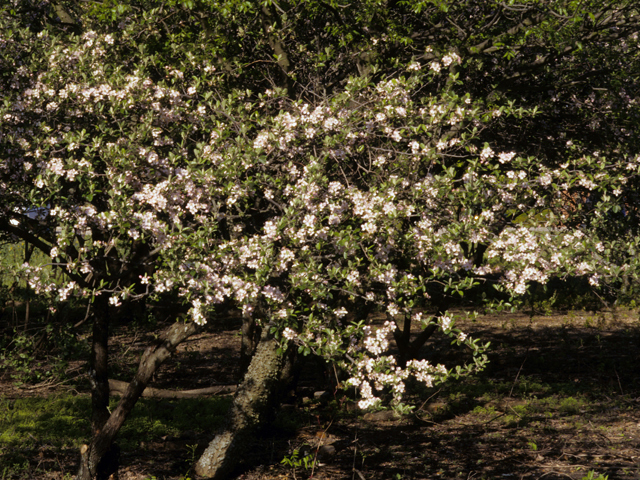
(100, 458)
(251, 334)
(250, 406)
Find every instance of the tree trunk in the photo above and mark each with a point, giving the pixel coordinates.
(100, 459)
(251, 333)
(98, 378)
(410, 350)
(98, 375)
(251, 404)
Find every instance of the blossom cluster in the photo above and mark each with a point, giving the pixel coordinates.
(298, 212)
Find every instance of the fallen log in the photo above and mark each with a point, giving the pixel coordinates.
(118, 387)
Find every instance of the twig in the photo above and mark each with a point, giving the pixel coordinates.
(335, 372)
(322, 438)
(518, 375)
(73, 369)
(495, 418)
(557, 473)
(619, 384)
(135, 337)
(424, 403)
(360, 476)
(86, 316)
(563, 466)
(45, 384)
(59, 464)
(355, 453)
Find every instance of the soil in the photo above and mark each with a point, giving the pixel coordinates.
(560, 397)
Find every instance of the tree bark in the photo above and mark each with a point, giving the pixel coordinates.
(251, 404)
(251, 333)
(410, 350)
(99, 459)
(118, 387)
(99, 363)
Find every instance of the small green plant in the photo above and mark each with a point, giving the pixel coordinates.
(570, 406)
(192, 460)
(591, 475)
(403, 409)
(295, 461)
(533, 446)
(38, 353)
(15, 470)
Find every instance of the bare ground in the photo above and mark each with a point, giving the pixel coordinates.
(561, 396)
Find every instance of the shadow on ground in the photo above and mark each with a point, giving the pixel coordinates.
(560, 397)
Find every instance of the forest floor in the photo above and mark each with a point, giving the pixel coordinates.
(559, 398)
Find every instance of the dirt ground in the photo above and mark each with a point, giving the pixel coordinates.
(560, 397)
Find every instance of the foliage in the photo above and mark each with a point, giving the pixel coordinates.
(313, 164)
(295, 460)
(37, 339)
(591, 475)
(22, 356)
(160, 174)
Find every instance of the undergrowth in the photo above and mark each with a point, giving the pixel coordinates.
(62, 421)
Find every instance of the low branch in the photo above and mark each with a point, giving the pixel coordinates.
(151, 359)
(118, 387)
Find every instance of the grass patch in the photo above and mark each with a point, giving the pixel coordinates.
(64, 420)
(152, 419)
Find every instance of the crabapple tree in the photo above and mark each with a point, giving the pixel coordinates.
(308, 212)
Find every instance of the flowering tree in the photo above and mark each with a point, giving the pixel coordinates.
(157, 170)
